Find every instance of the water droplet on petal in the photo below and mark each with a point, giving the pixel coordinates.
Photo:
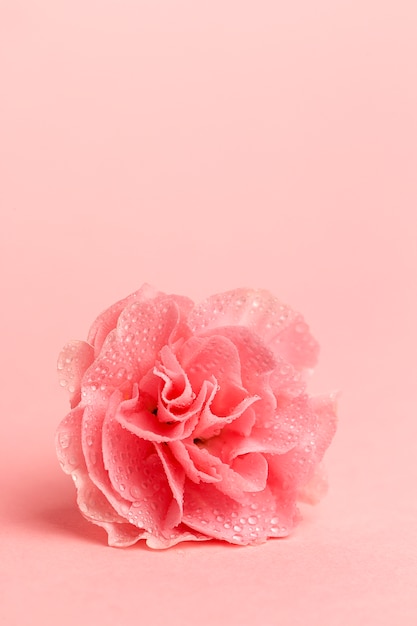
(64, 440)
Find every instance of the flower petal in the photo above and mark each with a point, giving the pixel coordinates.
(296, 467)
(280, 328)
(74, 359)
(260, 516)
(137, 474)
(144, 328)
(175, 536)
(107, 320)
(96, 508)
(247, 474)
(130, 350)
(68, 441)
(133, 416)
(176, 476)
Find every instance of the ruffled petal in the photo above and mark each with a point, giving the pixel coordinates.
(283, 330)
(176, 393)
(130, 350)
(137, 419)
(245, 475)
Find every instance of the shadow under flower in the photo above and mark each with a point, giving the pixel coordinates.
(45, 504)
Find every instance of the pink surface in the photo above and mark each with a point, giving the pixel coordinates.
(202, 146)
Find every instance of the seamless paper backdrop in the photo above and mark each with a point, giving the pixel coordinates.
(201, 146)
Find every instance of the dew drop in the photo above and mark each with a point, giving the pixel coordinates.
(64, 440)
(63, 382)
(135, 492)
(252, 520)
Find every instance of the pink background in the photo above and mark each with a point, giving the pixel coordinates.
(203, 145)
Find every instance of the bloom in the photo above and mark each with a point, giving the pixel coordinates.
(192, 422)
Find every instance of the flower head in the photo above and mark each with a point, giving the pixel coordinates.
(192, 422)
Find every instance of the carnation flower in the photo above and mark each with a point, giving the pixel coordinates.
(192, 422)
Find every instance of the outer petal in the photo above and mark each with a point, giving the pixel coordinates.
(262, 515)
(281, 329)
(96, 508)
(295, 468)
(73, 361)
(175, 536)
(107, 320)
(92, 427)
(68, 441)
(92, 503)
(144, 328)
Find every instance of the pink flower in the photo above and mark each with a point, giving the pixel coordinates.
(192, 422)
